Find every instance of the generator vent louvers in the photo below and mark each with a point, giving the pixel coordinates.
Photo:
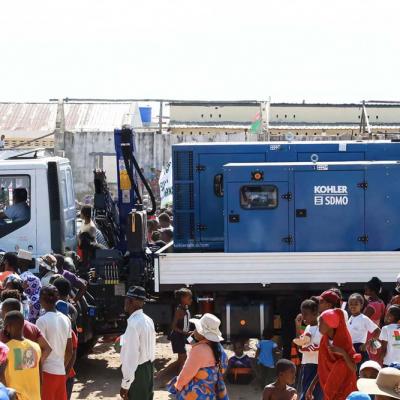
(184, 199)
(184, 226)
(184, 219)
(183, 166)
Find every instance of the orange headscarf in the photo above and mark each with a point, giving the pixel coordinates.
(337, 380)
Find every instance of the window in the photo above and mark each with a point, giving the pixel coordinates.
(256, 197)
(15, 202)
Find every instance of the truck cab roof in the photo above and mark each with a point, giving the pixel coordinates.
(31, 163)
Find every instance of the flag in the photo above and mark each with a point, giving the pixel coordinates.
(256, 125)
(165, 183)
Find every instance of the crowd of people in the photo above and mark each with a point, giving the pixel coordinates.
(344, 349)
(38, 336)
(160, 231)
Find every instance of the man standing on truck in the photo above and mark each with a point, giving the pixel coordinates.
(137, 349)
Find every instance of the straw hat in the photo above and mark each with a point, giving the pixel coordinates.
(208, 326)
(386, 384)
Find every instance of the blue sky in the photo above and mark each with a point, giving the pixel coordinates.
(288, 50)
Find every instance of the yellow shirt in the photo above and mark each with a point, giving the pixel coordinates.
(22, 372)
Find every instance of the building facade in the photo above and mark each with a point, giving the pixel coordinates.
(300, 119)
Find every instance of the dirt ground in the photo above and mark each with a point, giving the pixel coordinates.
(99, 376)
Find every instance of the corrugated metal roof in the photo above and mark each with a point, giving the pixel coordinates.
(91, 117)
(28, 120)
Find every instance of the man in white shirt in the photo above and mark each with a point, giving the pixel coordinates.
(56, 328)
(137, 349)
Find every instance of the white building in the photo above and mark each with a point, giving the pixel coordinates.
(301, 119)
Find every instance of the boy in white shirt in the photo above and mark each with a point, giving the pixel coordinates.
(56, 328)
(360, 326)
(390, 337)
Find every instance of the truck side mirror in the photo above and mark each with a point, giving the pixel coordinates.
(219, 185)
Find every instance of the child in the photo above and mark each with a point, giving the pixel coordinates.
(180, 325)
(22, 371)
(375, 308)
(390, 337)
(267, 352)
(370, 370)
(337, 358)
(280, 389)
(309, 346)
(239, 366)
(360, 325)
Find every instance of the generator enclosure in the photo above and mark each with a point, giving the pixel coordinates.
(198, 179)
(312, 207)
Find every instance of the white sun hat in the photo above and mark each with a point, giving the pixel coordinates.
(208, 326)
(387, 383)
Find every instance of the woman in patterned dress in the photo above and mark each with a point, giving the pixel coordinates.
(202, 375)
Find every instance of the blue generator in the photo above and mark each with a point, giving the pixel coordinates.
(312, 207)
(198, 179)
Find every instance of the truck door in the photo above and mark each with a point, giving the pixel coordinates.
(18, 232)
(329, 211)
(257, 217)
(211, 220)
(68, 205)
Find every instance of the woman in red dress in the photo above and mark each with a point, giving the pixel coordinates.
(337, 358)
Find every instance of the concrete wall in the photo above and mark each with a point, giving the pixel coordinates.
(284, 113)
(154, 151)
(213, 113)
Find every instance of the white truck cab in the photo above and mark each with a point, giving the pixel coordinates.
(51, 225)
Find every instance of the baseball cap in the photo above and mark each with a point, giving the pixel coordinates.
(370, 364)
(330, 296)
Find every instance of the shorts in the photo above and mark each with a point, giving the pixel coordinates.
(53, 387)
(178, 342)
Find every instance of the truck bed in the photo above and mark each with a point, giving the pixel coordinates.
(260, 270)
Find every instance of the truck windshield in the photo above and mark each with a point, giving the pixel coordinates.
(15, 210)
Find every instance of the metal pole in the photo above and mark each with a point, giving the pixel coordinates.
(160, 117)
